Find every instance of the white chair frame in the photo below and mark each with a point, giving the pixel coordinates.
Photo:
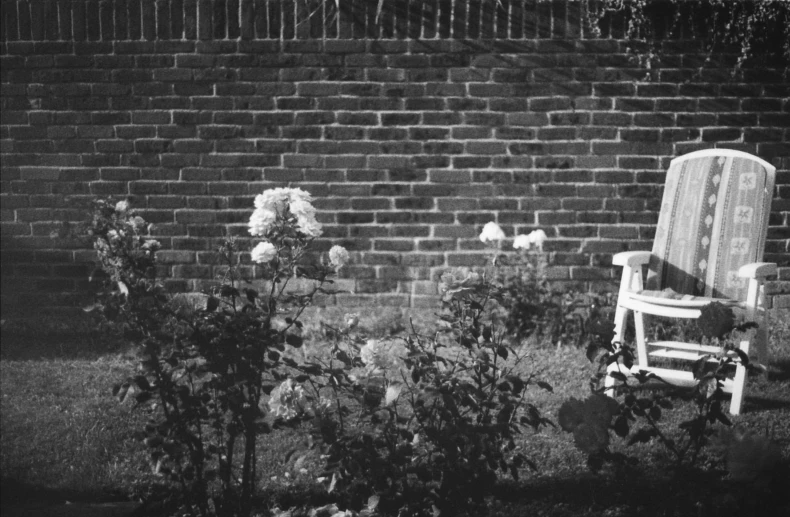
(634, 265)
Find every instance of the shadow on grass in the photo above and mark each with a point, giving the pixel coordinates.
(758, 403)
(29, 346)
(685, 493)
(780, 370)
(14, 492)
(688, 493)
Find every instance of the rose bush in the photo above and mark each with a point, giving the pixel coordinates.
(217, 375)
(535, 309)
(426, 422)
(635, 414)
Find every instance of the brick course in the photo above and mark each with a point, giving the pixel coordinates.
(411, 134)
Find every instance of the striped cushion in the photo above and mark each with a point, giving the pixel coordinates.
(713, 220)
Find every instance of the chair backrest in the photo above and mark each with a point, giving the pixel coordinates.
(714, 219)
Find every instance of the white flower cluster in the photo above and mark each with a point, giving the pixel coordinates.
(279, 200)
(525, 242)
(338, 256)
(287, 400)
(376, 356)
(492, 232)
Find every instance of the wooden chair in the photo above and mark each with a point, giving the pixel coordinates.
(708, 247)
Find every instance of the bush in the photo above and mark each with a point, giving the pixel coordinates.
(207, 368)
(536, 310)
(637, 415)
(421, 423)
(426, 422)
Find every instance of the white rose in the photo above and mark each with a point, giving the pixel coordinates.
(298, 194)
(261, 221)
(264, 252)
(492, 232)
(287, 400)
(121, 206)
(376, 356)
(522, 242)
(304, 212)
(538, 237)
(273, 200)
(338, 256)
(151, 246)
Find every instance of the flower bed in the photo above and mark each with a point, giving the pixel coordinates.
(427, 422)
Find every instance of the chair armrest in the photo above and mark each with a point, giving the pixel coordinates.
(632, 258)
(757, 270)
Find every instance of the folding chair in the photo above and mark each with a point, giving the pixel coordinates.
(708, 247)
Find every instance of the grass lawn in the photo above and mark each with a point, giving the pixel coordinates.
(64, 437)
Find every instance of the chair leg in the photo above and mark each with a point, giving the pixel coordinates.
(630, 281)
(757, 312)
(738, 383)
(641, 342)
(620, 318)
(610, 382)
(761, 343)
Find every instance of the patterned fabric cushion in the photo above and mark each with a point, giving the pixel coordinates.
(713, 220)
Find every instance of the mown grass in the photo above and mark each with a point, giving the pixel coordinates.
(64, 437)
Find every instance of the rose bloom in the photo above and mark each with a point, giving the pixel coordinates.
(305, 216)
(264, 252)
(375, 355)
(458, 282)
(492, 232)
(338, 256)
(538, 237)
(287, 400)
(522, 242)
(276, 199)
(151, 246)
(261, 221)
(121, 206)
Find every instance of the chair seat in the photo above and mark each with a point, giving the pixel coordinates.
(670, 298)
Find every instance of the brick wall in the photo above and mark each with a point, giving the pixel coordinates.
(411, 133)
